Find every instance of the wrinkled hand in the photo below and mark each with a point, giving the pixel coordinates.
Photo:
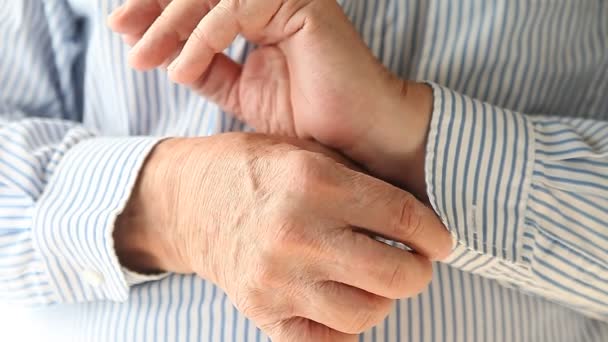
(319, 80)
(284, 229)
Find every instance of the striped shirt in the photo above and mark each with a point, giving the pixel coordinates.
(516, 167)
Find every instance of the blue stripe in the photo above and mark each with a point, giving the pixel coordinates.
(519, 57)
(503, 156)
(574, 221)
(572, 181)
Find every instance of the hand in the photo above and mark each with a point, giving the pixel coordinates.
(327, 88)
(283, 228)
(320, 80)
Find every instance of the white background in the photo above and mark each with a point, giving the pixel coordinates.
(19, 324)
(15, 325)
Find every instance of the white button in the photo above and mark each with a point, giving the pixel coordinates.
(93, 278)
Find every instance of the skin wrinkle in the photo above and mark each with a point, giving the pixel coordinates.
(271, 210)
(289, 255)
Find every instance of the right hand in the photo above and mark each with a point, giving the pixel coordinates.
(284, 229)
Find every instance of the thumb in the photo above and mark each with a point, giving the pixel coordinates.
(264, 92)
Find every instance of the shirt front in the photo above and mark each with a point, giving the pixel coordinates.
(516, 167)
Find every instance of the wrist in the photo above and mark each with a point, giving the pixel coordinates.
(395, 147)
(143, 231)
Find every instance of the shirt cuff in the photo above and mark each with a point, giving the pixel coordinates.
(136, 278)
(74, 219)
(479, 162)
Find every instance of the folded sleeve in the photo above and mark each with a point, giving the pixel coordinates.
(61, 184)
(61, 189)
(525, 197)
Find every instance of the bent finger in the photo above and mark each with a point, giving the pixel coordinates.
(345, 308)
(390, 212)
(213, 34)
(162, 39)
(134, 17)
(378, 268)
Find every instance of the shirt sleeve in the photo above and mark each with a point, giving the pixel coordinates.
(61, 184)
(526, 198)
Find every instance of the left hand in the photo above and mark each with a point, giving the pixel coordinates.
(319, 81)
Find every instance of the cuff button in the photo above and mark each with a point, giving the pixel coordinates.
(92, 278)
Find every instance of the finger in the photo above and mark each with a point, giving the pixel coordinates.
(131, 39)
(214, 33)
(135, 16)
(164, 36)
(304, 330)
(376, 267)
(390, 212)
(344, 308)
(171, 58)
(220, 83)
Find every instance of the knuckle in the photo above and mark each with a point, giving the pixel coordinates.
(288, 236)
(362, 321)
(290, 329)
(165, 22)
(200, 35)
(413, 284)
(164, 18)
(402, 282)
(287, 242)
(250, 303)
(409, 221)
(370, 315)
(297, 241)
(257, 305)
(280, 332)
(267, 275)
(304, 170)
(201, 31)
(301, 159)
(227, 8)
(397, 280)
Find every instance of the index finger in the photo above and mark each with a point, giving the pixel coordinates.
(162, 38)
(387, 211)
(213, 34)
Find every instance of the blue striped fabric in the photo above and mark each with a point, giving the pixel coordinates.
(517, 168)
